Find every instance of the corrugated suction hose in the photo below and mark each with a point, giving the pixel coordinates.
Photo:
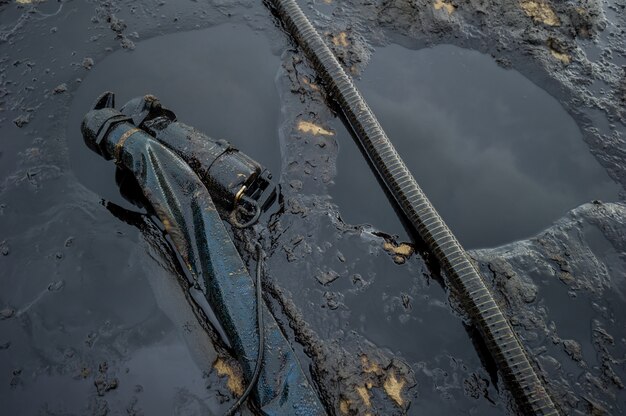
(513, 364)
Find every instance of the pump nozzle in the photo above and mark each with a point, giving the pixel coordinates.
(98, 122)
(105, 100)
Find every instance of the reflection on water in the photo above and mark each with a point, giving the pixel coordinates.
(498, 157)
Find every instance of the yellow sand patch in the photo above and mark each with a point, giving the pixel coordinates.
(563, 57)
(344, 406)
(540, 12)
(364, 392)
(310, 84)
(234, 383)
(314, 129)
(393, 384)
(369, 367)
(341, 40)
(394, 387)
(440, 4)
(402, 249)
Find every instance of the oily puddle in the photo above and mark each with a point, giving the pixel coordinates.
(499, 157)
(218, 80)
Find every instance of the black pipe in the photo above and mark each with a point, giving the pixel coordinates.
(515, 368)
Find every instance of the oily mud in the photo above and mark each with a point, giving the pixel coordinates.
(88, 297)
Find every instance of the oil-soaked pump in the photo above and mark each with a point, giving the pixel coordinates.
(234, 180)
(180, 171)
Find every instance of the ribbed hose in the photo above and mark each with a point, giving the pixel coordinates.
(518, 374)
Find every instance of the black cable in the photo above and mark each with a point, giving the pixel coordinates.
(261, 329)
(239, 208)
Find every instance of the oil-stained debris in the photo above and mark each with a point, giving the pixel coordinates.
(312, 85)
(563, 57)
(103, 382)
(4, 248)
(107, 13)
(314, 129)
(341, 39)
(476, 387)
(60, 89)
(394, 388)
(87, 63)
(22, 120)
(327, 277)
(448, 7)
(16, 379)
(400, 251)
(558, 50)
(349, 48)
(390, 380)
(232, 373)
(585, 20)
(7, 313)
(540, 11)
(610, 364)
(573, 349)
(333, 300)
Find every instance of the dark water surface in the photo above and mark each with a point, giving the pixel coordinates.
(498, 156)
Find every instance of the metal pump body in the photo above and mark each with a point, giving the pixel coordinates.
(231, 176)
